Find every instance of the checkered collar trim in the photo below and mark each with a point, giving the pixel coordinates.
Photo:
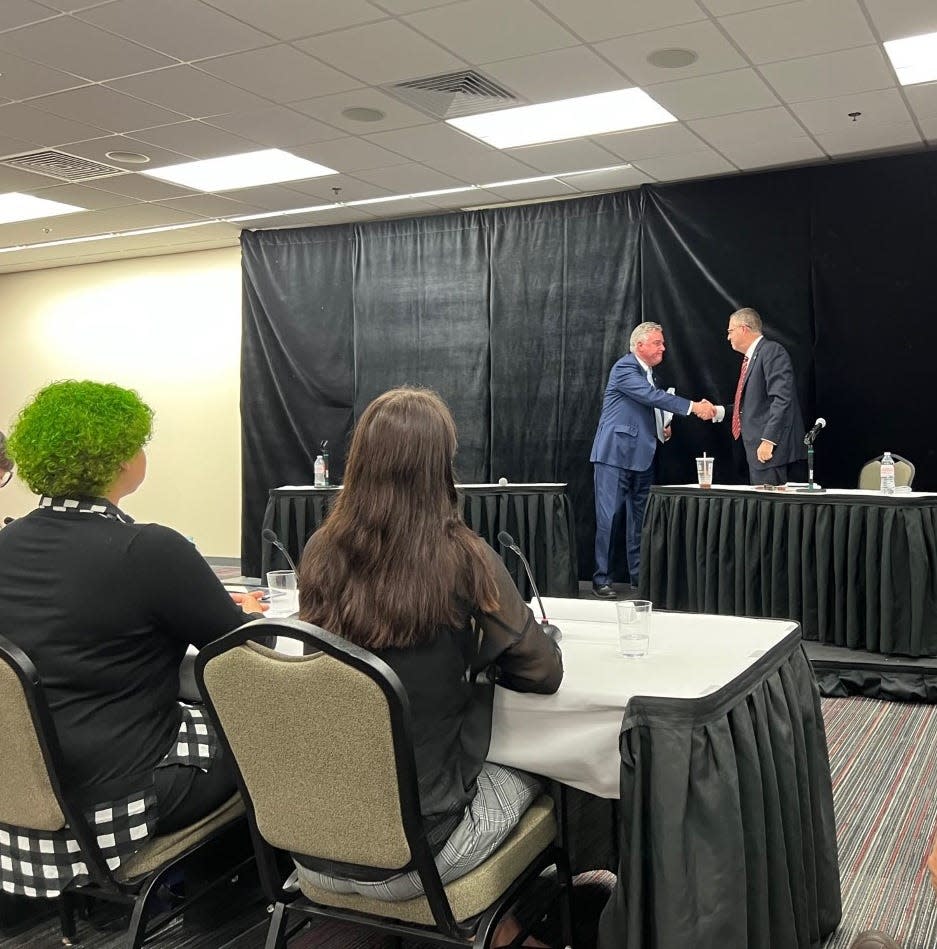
(97, 506)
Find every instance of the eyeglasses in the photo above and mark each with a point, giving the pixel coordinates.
(5, 477)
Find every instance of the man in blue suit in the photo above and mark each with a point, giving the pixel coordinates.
(765, 412)
(630, 427)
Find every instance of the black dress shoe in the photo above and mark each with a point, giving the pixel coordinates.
(604, 591)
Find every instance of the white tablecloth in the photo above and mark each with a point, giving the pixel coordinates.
(572, 736)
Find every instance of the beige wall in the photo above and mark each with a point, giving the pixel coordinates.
(168, 327)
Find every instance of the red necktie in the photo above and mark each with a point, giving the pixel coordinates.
(736, 409)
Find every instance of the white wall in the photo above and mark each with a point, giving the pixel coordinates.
(169, 327)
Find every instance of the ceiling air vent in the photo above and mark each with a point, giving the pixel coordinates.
(61, 166)
(452, 94)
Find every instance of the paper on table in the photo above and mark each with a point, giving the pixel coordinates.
(667, 417)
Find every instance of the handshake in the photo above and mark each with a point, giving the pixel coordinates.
(703, 410)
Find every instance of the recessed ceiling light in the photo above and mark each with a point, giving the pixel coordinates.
(361, 114)
(914, 58)
(246, 170)
(568, 118)
(128, 158)
(674, 58)
(24, 207)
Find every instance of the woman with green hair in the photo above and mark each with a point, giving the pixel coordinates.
(106, 609)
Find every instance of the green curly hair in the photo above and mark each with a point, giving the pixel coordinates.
(72, 437)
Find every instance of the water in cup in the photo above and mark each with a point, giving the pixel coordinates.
(634, 620)
(284, 597)
(704, 471)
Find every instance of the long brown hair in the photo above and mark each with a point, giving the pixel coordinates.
(393, 560)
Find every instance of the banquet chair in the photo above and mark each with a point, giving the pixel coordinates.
(870, 475)
(33, 796)
(324, 754)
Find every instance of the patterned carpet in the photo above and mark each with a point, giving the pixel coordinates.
(883, 758)
(884, 765)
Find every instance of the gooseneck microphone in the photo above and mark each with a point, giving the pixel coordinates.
(506, 540)
(271, 538)
(812, 434)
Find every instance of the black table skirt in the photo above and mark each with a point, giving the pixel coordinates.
(853, 572)
(539, 518)
(727, 832)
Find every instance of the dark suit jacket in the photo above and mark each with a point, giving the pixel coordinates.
(770, 408)
(627, 432)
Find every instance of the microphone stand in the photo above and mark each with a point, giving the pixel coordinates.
(506, 540)
(812, 487)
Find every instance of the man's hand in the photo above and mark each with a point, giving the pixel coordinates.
(703, 409)
(250, 602)
(765, 450)
(667, 433)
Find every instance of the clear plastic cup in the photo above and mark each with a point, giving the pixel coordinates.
(704, 472)
(634, 627)
(284, 596)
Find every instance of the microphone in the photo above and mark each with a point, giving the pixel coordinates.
(271, 538)
(506, 540)
(812, 434)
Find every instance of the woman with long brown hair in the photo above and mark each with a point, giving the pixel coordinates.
(395, 570)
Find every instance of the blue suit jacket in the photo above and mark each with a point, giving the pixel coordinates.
(770, 408)
(627, 432)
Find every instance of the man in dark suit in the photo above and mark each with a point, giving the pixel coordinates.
(765, 412)
(630, 427)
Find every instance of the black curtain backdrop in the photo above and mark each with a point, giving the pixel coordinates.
(516, 315)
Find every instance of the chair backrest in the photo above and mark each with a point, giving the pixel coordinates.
(322, 744)
(31, 793)
(27, 796)
(870, 475)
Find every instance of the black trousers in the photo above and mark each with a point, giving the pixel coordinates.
(184, 793)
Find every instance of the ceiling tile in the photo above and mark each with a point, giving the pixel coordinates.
(84, 197)
(755, 154)
(896, 19)
(884, 107)
(534, 189)
(725, 7)
(603, 19)
(868, 138)
(477, 167)
(23, 79)
(178, 28)
(690, 165)
(929, 125)
(317, 190)
(400, 7)
(406, 179)
(759, 126)
(923, 99)
(79, 48)
(71, 6)
(290, 19)
(604, 180)
(189, 91)
(13, 146)
(14, 13)
(269, 197)
(32, 125)
(651, 143)
(466, 29)
(558, 74)
(558, 157)
(736, 91)
(830, 74)
(15, 179)
(404, 53)
(437, 140)
(349, 154)
(329, 109)
(715, 52)
(104, 108)
(97, 148)
(463, 199)
(276, 127)
(209, 205)
(140, 187)
(799, 29)
(279, 73)
(197, 140)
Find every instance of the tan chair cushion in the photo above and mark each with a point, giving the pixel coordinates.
(471, 894)
(160, 850)
(870, 475)
(26, 795)
(303, 733)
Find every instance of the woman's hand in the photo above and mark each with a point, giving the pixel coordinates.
(250, 602)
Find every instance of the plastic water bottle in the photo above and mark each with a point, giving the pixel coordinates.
(318, 470)
(888, 474)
